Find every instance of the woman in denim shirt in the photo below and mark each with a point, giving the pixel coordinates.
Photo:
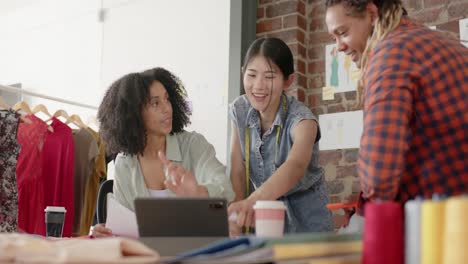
(280, 135)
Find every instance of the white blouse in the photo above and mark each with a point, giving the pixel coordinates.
(160, 193)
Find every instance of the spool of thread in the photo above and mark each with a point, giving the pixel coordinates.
(383, 233)
(413, 231)
(432, 230)
(456, 231)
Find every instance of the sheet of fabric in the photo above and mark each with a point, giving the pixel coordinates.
(22, 248)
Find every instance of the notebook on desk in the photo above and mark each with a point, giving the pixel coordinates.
(174, 225)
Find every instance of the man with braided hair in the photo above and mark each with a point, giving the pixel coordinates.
(414, 93)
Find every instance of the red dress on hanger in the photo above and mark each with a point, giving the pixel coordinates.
(29, 173)
(58, 171)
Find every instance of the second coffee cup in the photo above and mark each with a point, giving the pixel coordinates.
(269, 218)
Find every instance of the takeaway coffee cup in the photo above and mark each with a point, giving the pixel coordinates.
(54, 219)
(269, 218)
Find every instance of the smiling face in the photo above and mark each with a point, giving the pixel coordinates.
(157, 113)
(350, 32)
(264, 84)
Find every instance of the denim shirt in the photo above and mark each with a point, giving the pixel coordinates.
(306, 201)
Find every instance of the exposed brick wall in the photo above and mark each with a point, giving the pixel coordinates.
(287, 20)
(300, 23)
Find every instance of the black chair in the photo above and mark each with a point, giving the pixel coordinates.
(101, 205)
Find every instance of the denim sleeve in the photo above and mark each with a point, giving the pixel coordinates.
(299, 113)
(232, 113)
(238, 109)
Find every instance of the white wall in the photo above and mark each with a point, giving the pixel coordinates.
(189, 38)
(52, 47)
(60, 48)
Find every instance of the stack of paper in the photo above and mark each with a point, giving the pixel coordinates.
(121, 220)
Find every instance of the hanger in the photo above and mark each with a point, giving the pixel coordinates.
(75, 119)
(22, 117)
(41, 108)
(59, 113)
(22, 106)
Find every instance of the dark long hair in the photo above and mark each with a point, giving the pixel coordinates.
(121, 123)
(275, 50)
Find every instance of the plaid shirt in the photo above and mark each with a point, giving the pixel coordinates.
(415, 137)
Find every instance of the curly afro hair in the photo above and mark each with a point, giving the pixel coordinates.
(121, 122)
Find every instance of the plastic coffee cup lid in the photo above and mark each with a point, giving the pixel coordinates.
(269, 205)
(55, 209)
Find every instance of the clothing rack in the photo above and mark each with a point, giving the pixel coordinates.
(21, 91)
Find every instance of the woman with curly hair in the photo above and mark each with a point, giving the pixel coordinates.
(142, 117)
